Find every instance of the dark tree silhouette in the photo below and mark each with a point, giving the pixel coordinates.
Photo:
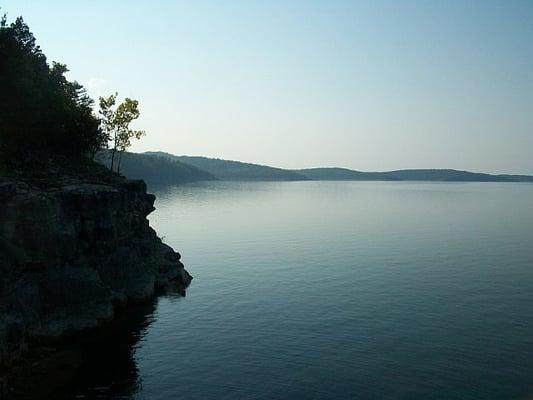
(42, 114)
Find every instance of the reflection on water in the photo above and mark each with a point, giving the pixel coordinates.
(108, 368)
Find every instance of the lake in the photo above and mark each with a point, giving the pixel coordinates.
(335, 290)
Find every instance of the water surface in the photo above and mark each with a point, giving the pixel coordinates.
(339, 290)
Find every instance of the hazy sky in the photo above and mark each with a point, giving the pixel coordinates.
(370, 85)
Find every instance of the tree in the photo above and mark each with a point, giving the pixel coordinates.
(42, 114)
(115, 122)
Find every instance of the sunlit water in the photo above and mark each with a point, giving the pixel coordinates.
(338, 290)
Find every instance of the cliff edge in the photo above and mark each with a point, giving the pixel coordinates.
(73, 253)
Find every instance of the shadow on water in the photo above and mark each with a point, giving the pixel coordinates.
(100, 364)
(108, 367)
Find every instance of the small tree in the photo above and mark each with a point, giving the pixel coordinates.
(107, 121)
(116, 122)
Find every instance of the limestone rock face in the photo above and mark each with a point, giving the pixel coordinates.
(72, 254)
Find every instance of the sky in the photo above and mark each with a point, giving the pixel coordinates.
(369, 85)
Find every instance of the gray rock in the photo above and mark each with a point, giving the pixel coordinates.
(7, 190)
(72, 255)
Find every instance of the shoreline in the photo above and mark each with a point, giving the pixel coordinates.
(77, 253)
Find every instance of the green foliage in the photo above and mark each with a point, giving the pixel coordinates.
(42, 114)
(115, 123)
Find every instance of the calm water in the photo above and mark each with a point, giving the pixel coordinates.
(355, 290)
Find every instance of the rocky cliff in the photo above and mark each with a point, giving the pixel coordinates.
(72, 254)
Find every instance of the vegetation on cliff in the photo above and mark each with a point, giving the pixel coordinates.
(115, 122)
(47, 120)
(42, 113)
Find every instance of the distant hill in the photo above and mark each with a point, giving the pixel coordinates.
(165, 168)
(155, 170)
(343, 174)
(441, 175)
(235, 170)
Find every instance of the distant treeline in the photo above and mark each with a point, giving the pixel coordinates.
(235, 170)
(442, 175)
(165, 168)
(156, 170)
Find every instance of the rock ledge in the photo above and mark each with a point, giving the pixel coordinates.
(72, 255)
